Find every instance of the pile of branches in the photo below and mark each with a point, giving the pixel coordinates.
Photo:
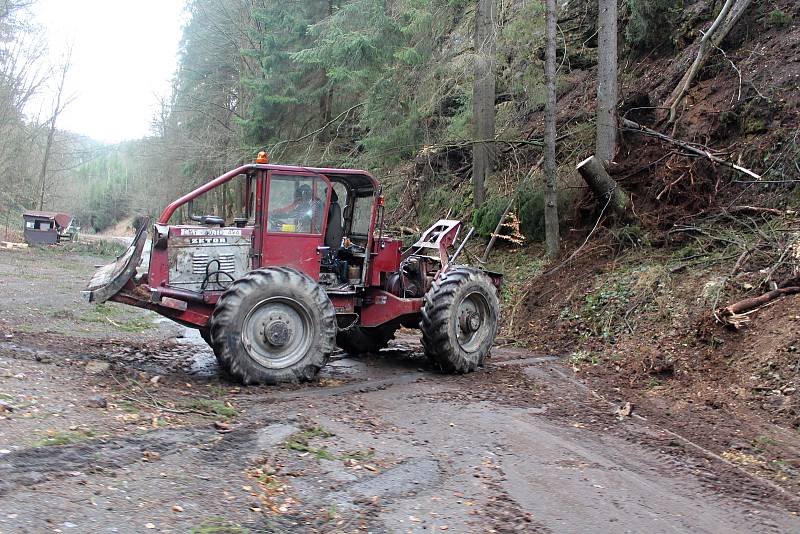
(767, 256)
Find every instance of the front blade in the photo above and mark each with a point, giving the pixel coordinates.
(109, 279)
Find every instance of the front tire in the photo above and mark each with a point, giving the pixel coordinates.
(459, 320)
(273, 325)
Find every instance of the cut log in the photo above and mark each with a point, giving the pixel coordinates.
(735, 314)
(605, 188)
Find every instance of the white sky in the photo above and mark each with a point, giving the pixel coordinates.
(124, 54)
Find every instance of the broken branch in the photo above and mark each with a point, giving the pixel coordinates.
(636, 127)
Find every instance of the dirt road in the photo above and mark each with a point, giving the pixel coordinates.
(113, 422)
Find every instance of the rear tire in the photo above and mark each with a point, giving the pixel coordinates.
(365, 339)
(205, 333)
(273, 325)
(459, 320)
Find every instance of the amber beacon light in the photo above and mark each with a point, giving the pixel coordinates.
(262, 157)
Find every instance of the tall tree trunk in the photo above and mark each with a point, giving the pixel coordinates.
(607, 90)
(57, 109)
(483, 98)
(551, 193)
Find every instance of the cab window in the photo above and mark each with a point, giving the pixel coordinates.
(362, 215)
(296, 204)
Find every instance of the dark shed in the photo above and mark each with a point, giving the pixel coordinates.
(45, 227)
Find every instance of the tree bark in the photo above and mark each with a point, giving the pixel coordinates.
(605, 188)
(728, 16)
(551, 193)
(483, 97)
(607, 87)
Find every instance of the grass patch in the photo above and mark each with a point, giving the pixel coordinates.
(97, 247)
(300, 442)
(56, 438)
(584, 356)
(214, 406)
(137, 324)
(518, 267)
(359, 456)
(105, 313)
(618, 299)
(99, 314)
(761, 443)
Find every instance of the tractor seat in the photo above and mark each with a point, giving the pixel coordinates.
(335, 230)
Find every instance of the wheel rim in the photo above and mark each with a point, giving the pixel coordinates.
(472, 321)
(278, 332)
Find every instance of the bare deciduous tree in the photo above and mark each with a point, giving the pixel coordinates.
(60, 103)
(729, 15)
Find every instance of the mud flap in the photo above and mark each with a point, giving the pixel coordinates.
(109, 279)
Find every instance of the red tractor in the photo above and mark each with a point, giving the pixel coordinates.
(306, 266)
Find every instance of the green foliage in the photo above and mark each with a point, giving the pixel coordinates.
(651, 22)
(779, 18)
(531, 213)
(55, 438)
(300, 442)
(218, 525)
(485, 218)
(529, 208)
(439, 199)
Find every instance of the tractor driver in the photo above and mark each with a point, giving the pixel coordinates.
(305, 209)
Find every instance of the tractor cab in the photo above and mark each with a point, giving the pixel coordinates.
(317, 221)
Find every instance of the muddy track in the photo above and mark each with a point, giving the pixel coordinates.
(105, 431)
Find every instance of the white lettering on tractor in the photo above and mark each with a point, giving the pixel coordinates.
(211, 231)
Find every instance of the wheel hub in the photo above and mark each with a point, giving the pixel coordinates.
(277, 333)
(470, 321)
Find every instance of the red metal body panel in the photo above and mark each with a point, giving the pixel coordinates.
(387, 259)
(380, 307)
(343, 303)
(293, 250)
(374, 306)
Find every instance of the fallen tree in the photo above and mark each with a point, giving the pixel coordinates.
(728, 16)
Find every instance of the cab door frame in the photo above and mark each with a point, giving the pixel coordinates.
(302, 251)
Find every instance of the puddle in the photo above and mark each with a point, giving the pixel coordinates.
(202, 362)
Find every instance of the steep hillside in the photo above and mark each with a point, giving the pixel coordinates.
(636, 307)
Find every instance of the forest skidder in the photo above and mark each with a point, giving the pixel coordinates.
(305, 267)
